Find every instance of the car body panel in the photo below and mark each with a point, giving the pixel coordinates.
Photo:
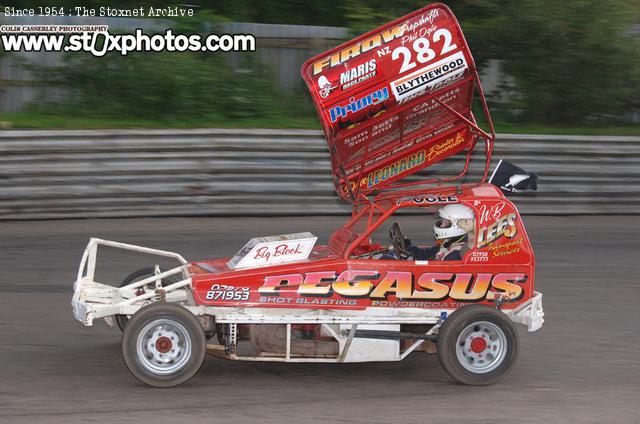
(499, 265)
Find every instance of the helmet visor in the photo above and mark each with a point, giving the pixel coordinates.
(443, 223)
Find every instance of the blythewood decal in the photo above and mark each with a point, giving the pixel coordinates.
(356, 105)
(396, 168)
(435, 286)
(428, 78)
(356, 49)
(503, 226)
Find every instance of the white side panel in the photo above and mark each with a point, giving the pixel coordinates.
(365, 350)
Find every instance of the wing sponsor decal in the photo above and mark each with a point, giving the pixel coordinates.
(382, 169)
(429, 78)
(396, 168)
(325, 87)
(354, 50)
(446, 146)
(358, 74)
(355, 105)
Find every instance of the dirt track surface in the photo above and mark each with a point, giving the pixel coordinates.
(583, 366)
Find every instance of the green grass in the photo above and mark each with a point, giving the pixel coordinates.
(32, 120)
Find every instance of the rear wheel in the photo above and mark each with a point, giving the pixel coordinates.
(163, 345)
(478, 345)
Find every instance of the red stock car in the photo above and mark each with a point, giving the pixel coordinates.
(392, 102)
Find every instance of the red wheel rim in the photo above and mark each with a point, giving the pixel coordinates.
(163, 344)
(478, 345)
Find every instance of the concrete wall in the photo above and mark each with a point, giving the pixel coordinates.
(122, 173)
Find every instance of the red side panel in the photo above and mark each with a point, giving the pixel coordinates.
(380, 99)
(500, 263)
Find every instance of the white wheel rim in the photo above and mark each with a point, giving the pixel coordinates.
(163, 346)
(481, 347)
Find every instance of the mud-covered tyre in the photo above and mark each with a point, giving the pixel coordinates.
(138, 275)
(478, 345)
(163, 345)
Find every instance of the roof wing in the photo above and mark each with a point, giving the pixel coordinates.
(396, 100)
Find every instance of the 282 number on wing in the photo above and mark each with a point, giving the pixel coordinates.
(422, 48)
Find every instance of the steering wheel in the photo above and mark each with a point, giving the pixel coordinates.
(399, 242)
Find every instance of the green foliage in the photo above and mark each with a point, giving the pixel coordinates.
(178, 88)
(569, 62)
(191, 87)
(572, 61)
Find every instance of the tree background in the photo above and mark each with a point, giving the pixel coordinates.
(569, 62)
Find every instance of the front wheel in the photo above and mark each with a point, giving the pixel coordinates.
(478, 345)
(139, 275)
(163, 345)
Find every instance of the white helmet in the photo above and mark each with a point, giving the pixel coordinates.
(448, 223)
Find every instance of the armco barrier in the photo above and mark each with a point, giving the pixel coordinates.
(127, 173)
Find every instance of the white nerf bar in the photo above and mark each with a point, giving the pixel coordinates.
(529, 313)
(92, 300)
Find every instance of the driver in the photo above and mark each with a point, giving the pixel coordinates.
(452, 229)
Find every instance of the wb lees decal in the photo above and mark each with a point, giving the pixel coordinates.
(504, 226)
(428, 286)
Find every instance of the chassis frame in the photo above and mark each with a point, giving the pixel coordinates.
(94, 300)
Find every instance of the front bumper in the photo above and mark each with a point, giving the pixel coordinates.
(92, 300)
(529, 313)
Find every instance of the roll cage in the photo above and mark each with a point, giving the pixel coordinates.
(367, 218)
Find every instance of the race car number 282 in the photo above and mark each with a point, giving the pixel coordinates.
(224, 292)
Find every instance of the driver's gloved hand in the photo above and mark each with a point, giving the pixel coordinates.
(407, 242)
(391, 254)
